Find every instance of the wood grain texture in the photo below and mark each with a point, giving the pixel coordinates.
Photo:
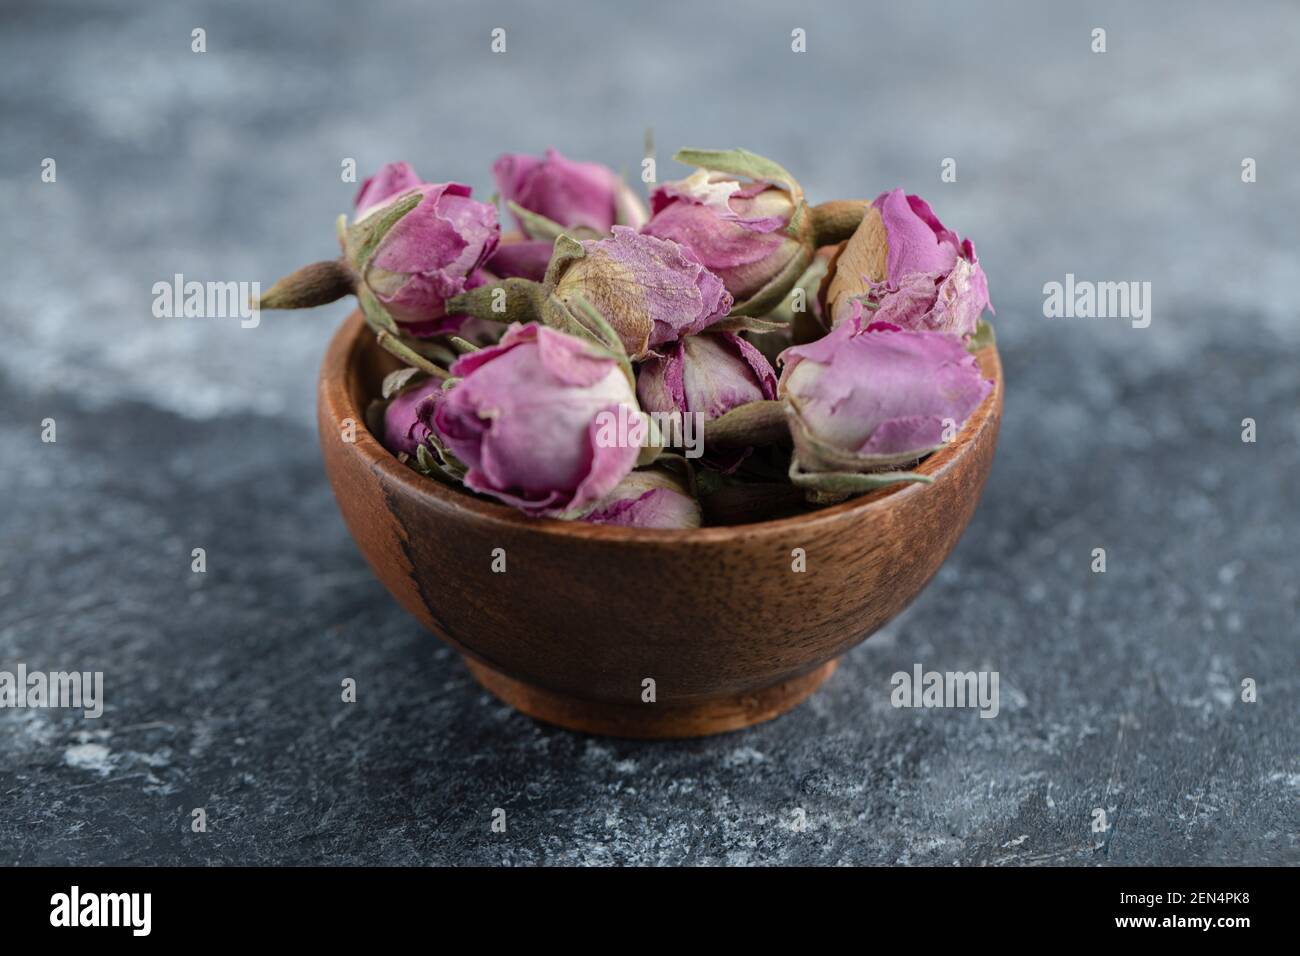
(716, 617)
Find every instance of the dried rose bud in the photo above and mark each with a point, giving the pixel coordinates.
(648, 498)
(710, 373)
(746, 219)
(573, 195)
(411, 246)
(739, 231)
(405, 429)
(908, 269)
(650, 291)
(393, 179)
(871, 397)
(524, 419)
(427, 255)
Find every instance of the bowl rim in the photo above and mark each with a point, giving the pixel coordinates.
(339, 363)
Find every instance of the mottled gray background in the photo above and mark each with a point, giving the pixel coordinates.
(1119, 690)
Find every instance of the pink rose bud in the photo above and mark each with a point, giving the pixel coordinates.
(649, 498)
(405, 428)
(909, 270)
(427, 255)
(737, 230)
(524, 419)
(710, 373)
(868, 397)
(651, 291)
(392, 180)
(573, 195)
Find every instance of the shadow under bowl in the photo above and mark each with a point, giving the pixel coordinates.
(585, 615)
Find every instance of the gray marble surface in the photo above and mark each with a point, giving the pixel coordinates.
(1119, 691)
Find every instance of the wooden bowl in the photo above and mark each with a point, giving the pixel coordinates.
(585, 615)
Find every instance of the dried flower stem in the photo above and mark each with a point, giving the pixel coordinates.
(395, 346)
(316, 284)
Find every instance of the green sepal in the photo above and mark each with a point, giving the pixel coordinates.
(535, 225)
(433, 458)
(653, 447)
(778, 287)
(754, 423)
(424, 459)
(829, 486)
(405, 350)
(432, 350)
(794, 228)
(566, 250)
(596, 326)
(741, 162)
(809, 282)
(748, 323)
(583, 320)
(363, 237)
(377, 316)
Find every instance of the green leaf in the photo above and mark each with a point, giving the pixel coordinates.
(741, 162)
(983, 336)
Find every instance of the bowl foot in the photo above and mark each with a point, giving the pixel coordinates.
(712, 715)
